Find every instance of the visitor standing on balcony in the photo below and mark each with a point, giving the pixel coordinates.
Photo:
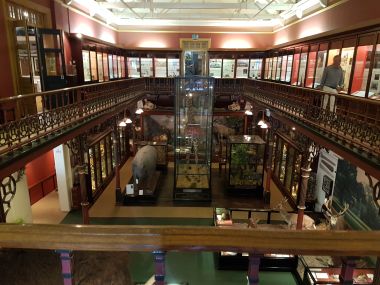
(332, 82)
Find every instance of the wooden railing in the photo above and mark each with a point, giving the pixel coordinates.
(160, 239)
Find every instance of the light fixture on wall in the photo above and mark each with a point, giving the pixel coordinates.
(263, 123)
(248, 109)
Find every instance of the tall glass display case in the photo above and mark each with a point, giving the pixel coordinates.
(246, 164)
(193, 138)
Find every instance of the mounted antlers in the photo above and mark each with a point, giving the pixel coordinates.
(332, 218)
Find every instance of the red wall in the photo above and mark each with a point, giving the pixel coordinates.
(40, 175)
(171, 40)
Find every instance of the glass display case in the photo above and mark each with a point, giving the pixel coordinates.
(346, 64)
(110, 66)
(283, 67)
(329, 273)
(100, 66)
(310, 69)
(193, 138)
(105, 67)
(246, 164)
(374, 87)
(229, 260)
(86, 65)
(295, 69)
(362, 64)
(321, 64)
(289, 68)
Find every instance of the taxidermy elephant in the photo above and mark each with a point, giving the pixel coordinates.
(144, 163)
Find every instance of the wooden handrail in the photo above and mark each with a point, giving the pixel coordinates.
(186, 238)
(55, 91)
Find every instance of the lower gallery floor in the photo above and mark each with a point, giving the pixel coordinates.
(196, 268)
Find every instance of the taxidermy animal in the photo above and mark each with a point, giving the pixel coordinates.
(291, 218)
(144, 163)
(223, 131)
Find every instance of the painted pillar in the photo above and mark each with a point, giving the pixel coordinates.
(159, 267)
(19, 208)
(64, 176)
(253, 269)
(116, 141)
(347, 271)
(66, 257)
(305, 174)
(82, 170)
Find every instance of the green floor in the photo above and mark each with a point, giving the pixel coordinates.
(196, 268)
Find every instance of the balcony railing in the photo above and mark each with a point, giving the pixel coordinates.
(347, 122)
(55, 112)
(160, 239)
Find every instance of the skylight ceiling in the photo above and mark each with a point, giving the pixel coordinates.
(255, 14)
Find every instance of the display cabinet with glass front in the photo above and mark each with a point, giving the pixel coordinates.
(278, 69)
(302, 69)
(321, 64)
(238, 218)
(215, 67)
(289, 67)
(173, 67)
(99, 60)
(274, 68)
(228, 68)
(362, 64)
(311, 66)
(146, 67)
(105, 67)
(86, 65)
(100, 164)
(110, 67)
(133, 64)
(193, 138)
(160, 67)
(314, 270)
(374, 86)
(286, 166)
(245, 164)
(242, 65)
(283, 67)
(295, 69)
(347, 56)
(255, 68)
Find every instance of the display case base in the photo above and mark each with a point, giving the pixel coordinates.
(193, 195)
(245, 191)
(267, 263)
(145, 192)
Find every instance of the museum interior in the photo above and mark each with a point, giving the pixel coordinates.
(190, 142)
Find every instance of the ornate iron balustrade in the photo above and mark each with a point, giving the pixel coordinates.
(350, 122)
(63, 108)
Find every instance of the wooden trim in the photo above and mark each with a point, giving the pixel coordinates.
(151, 238)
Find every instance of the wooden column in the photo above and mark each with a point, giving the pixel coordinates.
(305, 174)
(159, 267)
(268, 167)
(253, 268)
(66, 257)
(83, 189)
(376, 274)
(116, 142)
(2, 212)
(347, 272)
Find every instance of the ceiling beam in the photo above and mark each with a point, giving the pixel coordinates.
(166, 5)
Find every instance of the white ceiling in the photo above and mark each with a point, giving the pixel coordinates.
(255, 14)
